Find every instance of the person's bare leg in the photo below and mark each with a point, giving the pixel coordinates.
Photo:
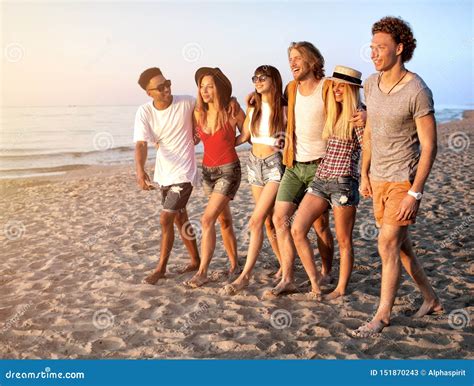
(344, 219)
(167, 240)
(389, 244)
(270, 227)
(214, 207)
(325, 246)
(271, 236)
(431, 302)
(186, 230)
(309, 210)
(265, 198)
(282, 219)
(228, 238)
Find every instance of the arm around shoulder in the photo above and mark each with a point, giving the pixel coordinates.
(243, 125)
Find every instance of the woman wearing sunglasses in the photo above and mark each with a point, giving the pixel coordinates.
(216, 128)
(264, 125)
(336, 181)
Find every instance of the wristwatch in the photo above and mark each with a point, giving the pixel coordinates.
(416, 195)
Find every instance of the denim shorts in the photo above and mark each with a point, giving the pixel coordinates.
(223, 179)
(175, 197)
(260, 171)
(341, 191)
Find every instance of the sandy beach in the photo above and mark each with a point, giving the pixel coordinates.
(75, 248)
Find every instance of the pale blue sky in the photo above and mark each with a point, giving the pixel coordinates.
(89, 53)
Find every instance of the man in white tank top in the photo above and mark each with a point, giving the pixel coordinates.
(305, 126)
(309, 124)
(304, 149)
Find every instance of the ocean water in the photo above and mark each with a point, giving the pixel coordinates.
(49, 140)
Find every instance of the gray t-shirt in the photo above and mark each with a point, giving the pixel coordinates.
(395, 144)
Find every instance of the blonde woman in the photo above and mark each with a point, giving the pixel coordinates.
(336, 181)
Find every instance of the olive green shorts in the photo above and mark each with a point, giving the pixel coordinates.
(296, 180)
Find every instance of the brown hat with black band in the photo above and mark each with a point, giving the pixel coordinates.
(346, 75)
(218, 76)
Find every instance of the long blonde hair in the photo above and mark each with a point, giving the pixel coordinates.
(338, 115)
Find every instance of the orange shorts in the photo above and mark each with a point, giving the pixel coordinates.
(387, 197)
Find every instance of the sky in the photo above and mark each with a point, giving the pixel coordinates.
(64, 53)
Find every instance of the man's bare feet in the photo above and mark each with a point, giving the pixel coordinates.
(187, 268)
(196, 281)
(276, 275)
(325, 279)
(314, 295)
(432, 307)
(334, 294)
(369, 330)
(237, 286)
(281, 289)
(154, 277)
(234, 273)
(229, 275)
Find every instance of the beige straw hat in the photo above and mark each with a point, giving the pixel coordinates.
(346, 75)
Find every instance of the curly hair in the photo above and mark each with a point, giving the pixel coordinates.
(400, 32)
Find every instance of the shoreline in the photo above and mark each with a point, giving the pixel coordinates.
(74, 172)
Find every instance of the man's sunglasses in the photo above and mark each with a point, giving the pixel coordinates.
(259, 78)
(161, 87)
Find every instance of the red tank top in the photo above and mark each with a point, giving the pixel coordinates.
(219, 149)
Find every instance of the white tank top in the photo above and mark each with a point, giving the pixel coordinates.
(264, 136)
(309, 125)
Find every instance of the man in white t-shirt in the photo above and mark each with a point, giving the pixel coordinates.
(167, 121)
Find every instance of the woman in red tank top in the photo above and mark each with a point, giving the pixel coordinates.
(216, 128)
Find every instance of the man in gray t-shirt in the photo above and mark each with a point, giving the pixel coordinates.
(399, 151)
(395, 143)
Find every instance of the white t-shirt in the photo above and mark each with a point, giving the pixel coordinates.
(172, 129)
(309, 125)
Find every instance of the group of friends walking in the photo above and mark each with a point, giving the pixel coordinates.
(314, 147)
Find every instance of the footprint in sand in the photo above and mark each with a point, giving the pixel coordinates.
(107, 344)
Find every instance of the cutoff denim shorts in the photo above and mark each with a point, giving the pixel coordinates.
(340, 191)
(260, 171)
(223, 179)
